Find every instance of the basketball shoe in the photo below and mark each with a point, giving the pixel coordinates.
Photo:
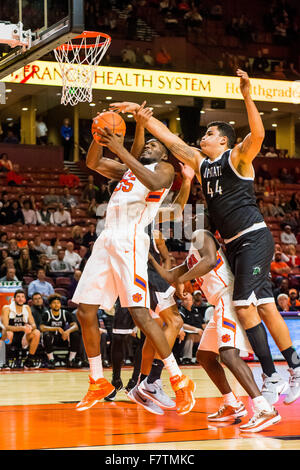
(184, 388)
(155, 392)
(118, 384)
(261, 420)
(294, 386)
(227, 413)
(143, 401)
(98, 389)
(272, 387)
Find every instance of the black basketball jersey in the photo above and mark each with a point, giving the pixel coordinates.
(230, 198)
(156, 282)
(59, 321)
(18, 320)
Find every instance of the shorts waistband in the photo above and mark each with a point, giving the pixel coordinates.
(257, 226)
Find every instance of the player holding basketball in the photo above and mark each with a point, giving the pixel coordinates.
(118, 264)
(227, 177)
(224, 336)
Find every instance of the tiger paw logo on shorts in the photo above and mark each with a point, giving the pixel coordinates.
(226, 338)
(137, 297)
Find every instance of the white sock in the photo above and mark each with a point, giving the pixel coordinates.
(261, 404)
(96, 367)
(231, 400)
(72, 355)
(172, 366)
(50, 356)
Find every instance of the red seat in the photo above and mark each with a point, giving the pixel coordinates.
(61, 291)
(63, 281)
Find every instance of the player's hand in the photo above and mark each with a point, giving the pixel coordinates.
(180, 292)
(113, 141)
(181, 335)
(65, 335)
(150, 257)
(60, 330)
(244, 82)
(124, 107)
(187, 172)
(142, 115)
(28, 329)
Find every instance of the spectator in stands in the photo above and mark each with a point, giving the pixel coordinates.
(92, 209)
(14, 178)
(101, 216)
(72, 257)
(61, 217)
(14, 250)
(41, 131)
(216, 11)
(43, 262)
(163, 58)
(193, 333)
(293, 258)
(294, 303)
(275, 209)
(193, 19)
(171, 23)
(284, 203)
(200, 307)
(290, 219)
(66, 132)
(89, 193)
(38, 308)
(3, 255)
(271, 152)
(25, 263)
(287, 237)
(68, 179)
(39, 245)
(43, 215)
(59, 328)
(86, 257)
(139, 57)
(280, 34)
(128, 55)
(103, 194)
(279, 268)
(260, 63)
(52, 249)
(263, 172)
(74, 282)
(40, 285)
(10, 275)
(295, 201)
(30, 217)
(283, 303)
(148, 58)
(11, 138)
(77, 237)
(51, 199)
(5, 163)
(3, 240)
(14, 214)
(4, 206)
(131, 21)
(285, 176)
(33, 253)
(263, 207)
(283, 288)
(90, 236)
(67, 199)
(60, 264)
(22, 241)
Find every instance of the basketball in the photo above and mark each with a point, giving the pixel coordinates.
(108, 119)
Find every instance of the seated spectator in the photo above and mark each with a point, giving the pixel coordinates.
(59, 264)
(14, 214)
(72, 257)
(44, 263)
(193, 333)
(92, 208)
(279, 268)
(68, 179)
(11, 138)
(52, 249)
(260, 63)
(291, 220)
(14, 250)
(294, 303)
(193, 19)
(5, 163)
(287, 237)
(89, 193)
(40, 285)
(24, 262)
(285, 176)
(275, 210)
(263, 172)
(283, 303)
(22, 241)
(293, 258)
(33, 253)
(284, 257)
(59, 328)
(51, 198)
(90, 236)
(30, 217)
(61, 217)
(148, 58)
(271, 152)
(74, 282)
(38, 308)
(284, 203)
(10, 275)
(101, 216)
(68, 200)
(3, 255)
(3, 240)
(38, 245)
(128, 55)
(77, 237)
(263, 207)
(295, 201)
(66, 132)
(14, 178)
(43, 215)
(163, 58)
(41, 131)
(200, 307)
(103, 194)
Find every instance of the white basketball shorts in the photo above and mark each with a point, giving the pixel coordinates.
(117, 267)
(224, 329)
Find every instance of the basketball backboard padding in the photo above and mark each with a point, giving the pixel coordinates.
(45, 40)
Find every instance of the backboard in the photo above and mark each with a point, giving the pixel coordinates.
(52, 22)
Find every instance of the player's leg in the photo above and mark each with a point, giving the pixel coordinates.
(75, 339)
(181, 384)
(32, 340)
(281, 335)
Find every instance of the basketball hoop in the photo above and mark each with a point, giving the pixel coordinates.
(78, 59)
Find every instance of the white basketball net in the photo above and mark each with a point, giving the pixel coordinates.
(77, 65)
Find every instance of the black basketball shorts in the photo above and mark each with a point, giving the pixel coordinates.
(122, 323)
(250, 257)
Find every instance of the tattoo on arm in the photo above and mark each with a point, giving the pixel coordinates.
(184, 152)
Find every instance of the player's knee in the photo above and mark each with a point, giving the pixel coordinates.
(177, 322)
(229, 356)
(36, 334)
(202, 357)
(84, 314)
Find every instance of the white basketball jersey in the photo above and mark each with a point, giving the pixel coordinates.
(218, 281)
(132, 204)
(13, 312)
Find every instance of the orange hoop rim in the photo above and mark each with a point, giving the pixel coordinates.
(86, 34)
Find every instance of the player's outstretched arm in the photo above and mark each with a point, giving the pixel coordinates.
(243, 154)
(172, 275)
(105, 166)
(139, 135)
(177, 146)
(208, 252)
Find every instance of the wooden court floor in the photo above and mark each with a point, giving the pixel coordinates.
(37, 411)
